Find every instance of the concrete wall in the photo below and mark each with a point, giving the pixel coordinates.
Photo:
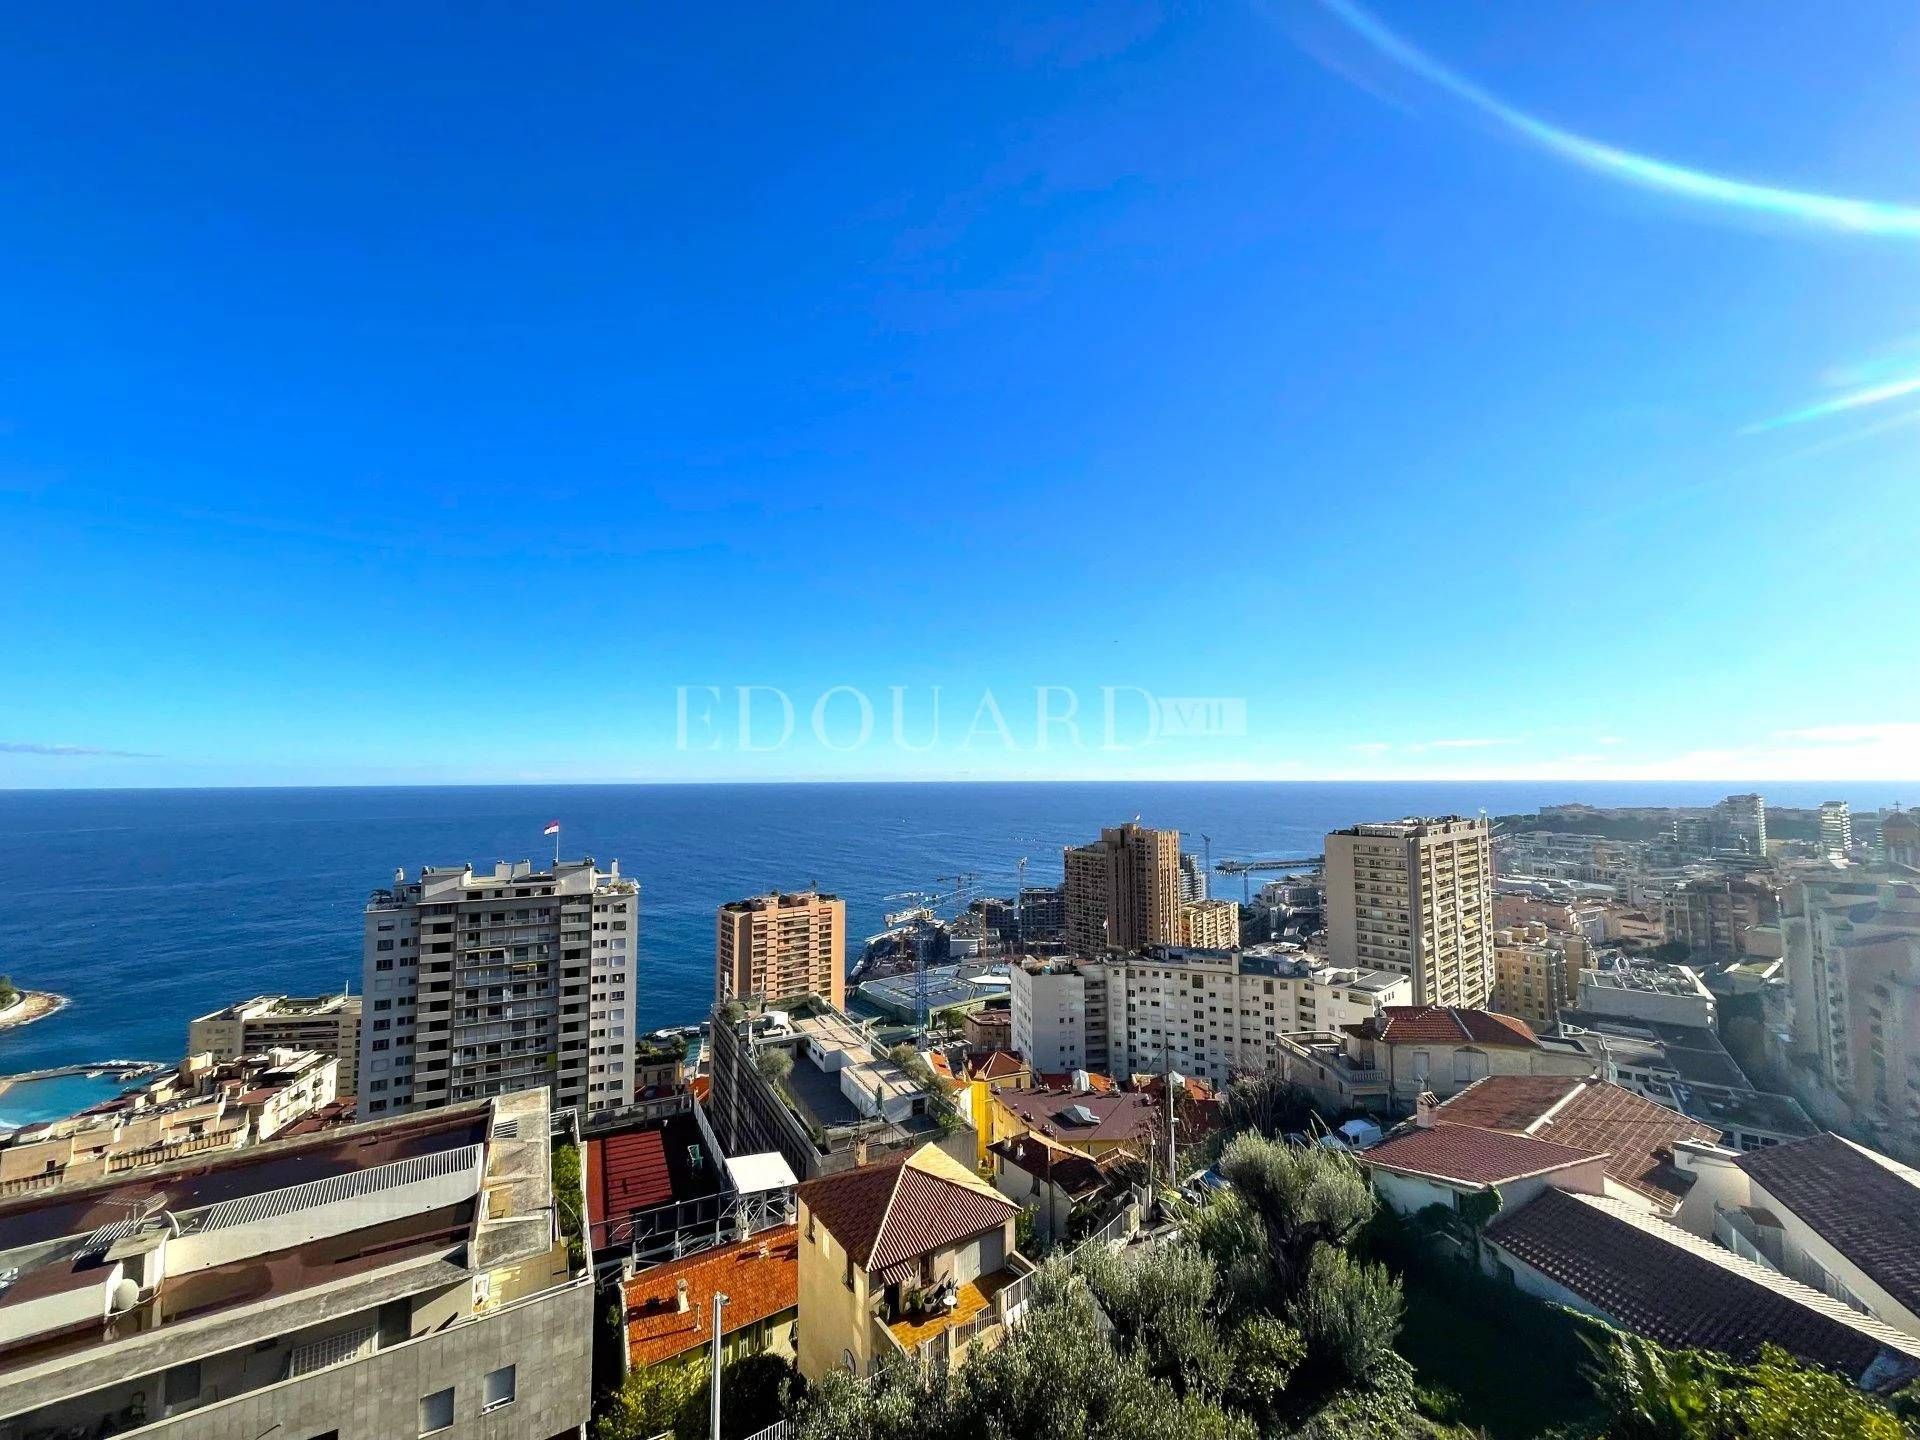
(549, 1341)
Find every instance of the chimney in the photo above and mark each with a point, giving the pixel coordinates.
(680, 1296)
(1424, 1108)
(860, 1151)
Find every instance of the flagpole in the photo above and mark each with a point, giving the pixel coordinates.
(556, 849)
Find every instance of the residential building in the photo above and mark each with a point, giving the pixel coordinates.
(1415, 897)
(1210, 924)
(833, 1099)
(197, 1108)
(1831, 1214)
(481, 984)
(1740, 823)
(407, 1277)
(1123, 890)
(1853, 977)
(1193, 878)
(1061, 1188)
(909, 1258)
(1900, 839)
(990, 1027)
(324, 1024)
(1042, 913)
(1635, 1270)
(1385, 1063)
(1536, 972)
(1093, 1123)
(1210, 1013)
(1685, 1068)
(1438, 1163)
(1636, 1139)
(669, 1308)
(782, 947)
(1665, 994)
(1713, 918)
(1836, 828)
(1050, 1024)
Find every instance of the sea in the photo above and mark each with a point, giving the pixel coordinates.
(148, 907)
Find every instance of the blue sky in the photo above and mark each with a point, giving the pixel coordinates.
(426, 393)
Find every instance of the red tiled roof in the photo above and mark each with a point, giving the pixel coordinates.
(756, 1286)
(894, 1210)
(1637, 1134)
(1445, 1025)
(1120, 1117)
(1661, 1282)
(1864, 1206)
(1469, 1155)
(1097, 1083)
(998, 1065)
(1077, 1174)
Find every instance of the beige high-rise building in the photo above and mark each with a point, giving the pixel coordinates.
(1415, 897)
(324, 1024)
(1123, 890)
(780, 947)
(1210, 925)
(1536, 973)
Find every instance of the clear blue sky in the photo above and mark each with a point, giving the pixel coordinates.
(417, 393)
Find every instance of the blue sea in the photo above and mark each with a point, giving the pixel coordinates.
(148, 907)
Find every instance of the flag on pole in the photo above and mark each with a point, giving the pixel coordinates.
(553, 828)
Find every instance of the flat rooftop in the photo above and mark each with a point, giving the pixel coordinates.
(233, 1175)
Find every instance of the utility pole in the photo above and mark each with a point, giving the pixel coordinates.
(713, 1384)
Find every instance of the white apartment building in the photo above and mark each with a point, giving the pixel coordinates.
(1836, 828)
(1050, 1020)
(1415, 897)
(1207, 1013)
(479, 984)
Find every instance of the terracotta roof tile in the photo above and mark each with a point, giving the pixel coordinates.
(756, 1286)
(998, 1066)
(1472, 1156)
(1446, 1025)
(1661, 1282)
(903, 1207)
(1636, 1134)
(1117, 1117)
(1865, 1206)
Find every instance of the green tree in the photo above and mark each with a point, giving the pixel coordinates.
(1348, 1312)
(1655, 1394)
(650, 1402)
(1265, 1104)
(774, 1065)
(1295, 1199)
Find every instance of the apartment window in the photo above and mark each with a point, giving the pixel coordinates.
(383, 945)
(498, 1389)
(436, 1411)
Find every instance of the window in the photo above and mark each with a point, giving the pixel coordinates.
(499, 1389)
(183, 1383)
(436, 1411)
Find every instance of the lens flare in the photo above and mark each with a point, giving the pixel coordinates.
(1833, 212)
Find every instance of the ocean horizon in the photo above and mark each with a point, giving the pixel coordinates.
(146, 907)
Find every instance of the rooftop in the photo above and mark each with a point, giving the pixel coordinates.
(651, 1164)
(1469, 1155)
(1636, 1135)
(1083, 1119)
(904, 1207)
(1445, 1025)
(1864, 1205)
(1683, 1291)
(759, 1276)
(367, 1214)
